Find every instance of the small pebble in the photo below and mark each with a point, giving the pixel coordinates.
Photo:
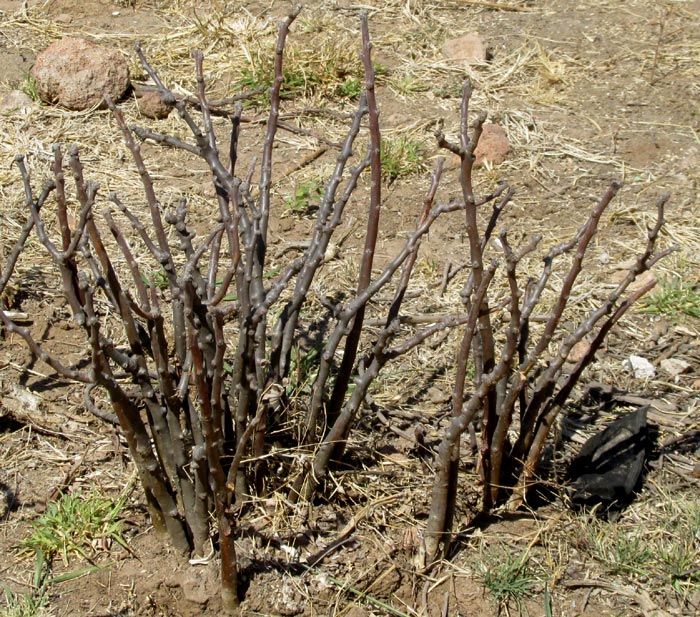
(674, 366)
(640, 367)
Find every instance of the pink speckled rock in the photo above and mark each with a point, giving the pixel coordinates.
(152, 106)
(493, 146)
(75, 73)
(465, 50)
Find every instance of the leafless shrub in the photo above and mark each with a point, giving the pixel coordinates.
(522, 375)
(191, 407)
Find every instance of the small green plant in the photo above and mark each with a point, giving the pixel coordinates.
(259, 77)
(407, 85)
(401, 156)
(32, 603)
(29, 87)
(303, 370)
(76, 524)
(381, 70)
(25, 605)
(297, 82)
(35, 602)
(329, 68)
(351, 88)
(679, 561)
(664, 552)
(620, 551)
(626, 554)
(306, 198)
(547, 602)
(674, 298)
(508, 577)
(159, 278)
(254, 79)
(678, 546)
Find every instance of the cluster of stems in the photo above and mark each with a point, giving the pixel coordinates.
(520, 385)
(197, 374)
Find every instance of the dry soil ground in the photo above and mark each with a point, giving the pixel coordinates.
(588, 92)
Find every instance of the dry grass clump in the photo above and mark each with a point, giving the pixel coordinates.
(654, 545)
(322, 64)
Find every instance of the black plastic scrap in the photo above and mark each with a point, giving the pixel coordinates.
(609, 467)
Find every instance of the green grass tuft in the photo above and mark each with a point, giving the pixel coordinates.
(34, 603)
(508, 577)
(25, 605)
(677, 548)
(75, 525)
(351, 88)
(663, 551)
(304, 368)
(29, 88)
(674, 298)
(401, 157)
(329, 68)
(620, 552)
(306, 198)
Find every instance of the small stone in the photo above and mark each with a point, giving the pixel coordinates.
(286, 224)
(15, 100)
(198, 586)
(331, 253)
(76, 73)
(493, 145)
(642, 280)
(396, 458)
(621, 272)
(579, 351)
(674, 366)
(659, 329)
(437, 396)
(395, 119)
(357, 611)
(207, 189)
(153, 106)
(624, 265)
(690, 161)
(465, 50)
(640, 367)
(4, 503)
(27, 400)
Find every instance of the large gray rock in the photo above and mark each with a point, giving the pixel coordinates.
(75, 73)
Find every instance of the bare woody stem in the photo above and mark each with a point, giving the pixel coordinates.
(334, 442)
(353, 338)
